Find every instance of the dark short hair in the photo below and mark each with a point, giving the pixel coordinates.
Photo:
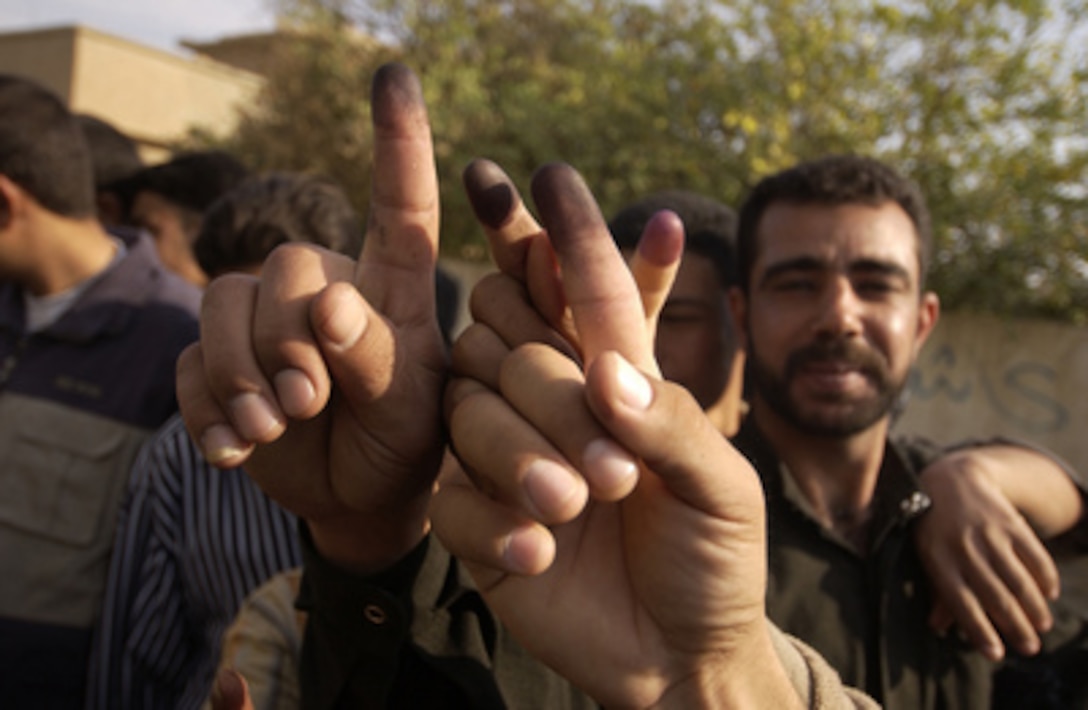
(833, 180)
(244, 225)
(192, 180)
(709, 227)
(114, 155)
(42, 149)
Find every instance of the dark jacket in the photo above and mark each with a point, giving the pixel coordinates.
(867, 614)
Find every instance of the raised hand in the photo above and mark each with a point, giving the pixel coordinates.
(258, 387)
(612, 528)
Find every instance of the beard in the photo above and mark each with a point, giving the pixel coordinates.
(841, 415)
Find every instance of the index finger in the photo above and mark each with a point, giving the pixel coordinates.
(396, 269)
(599, 288)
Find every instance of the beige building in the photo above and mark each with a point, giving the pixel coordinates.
(156, 97)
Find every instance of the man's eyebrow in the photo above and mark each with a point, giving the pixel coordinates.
(811, 264)
(801, 263)
(882, 267)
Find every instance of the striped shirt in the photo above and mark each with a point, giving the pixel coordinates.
(192, 542)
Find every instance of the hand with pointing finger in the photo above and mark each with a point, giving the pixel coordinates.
(258, 388)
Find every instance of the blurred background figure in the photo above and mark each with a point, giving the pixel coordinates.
(91, 325)
(169, 201)
(696, 343)
(243, 228)
(115, 158)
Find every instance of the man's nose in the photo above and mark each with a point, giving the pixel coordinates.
(840, 309)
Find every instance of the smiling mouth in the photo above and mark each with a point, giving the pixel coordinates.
(829, 367)
(837, 376)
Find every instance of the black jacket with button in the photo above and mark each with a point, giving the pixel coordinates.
(867, 613)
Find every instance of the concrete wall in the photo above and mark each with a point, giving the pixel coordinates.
(981, 376)
(154, 96)
(47, 56)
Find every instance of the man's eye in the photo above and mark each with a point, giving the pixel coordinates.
(805, 285)
(875, 288)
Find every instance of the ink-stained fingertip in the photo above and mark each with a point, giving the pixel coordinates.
(490, 192)
(394, 86)
(565, 202)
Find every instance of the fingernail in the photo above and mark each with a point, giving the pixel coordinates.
(491, 197)
(253, 416)
(550, 488)
(634, 389)
(520, 551)
(294, 391)
(994, 651)
(220, 445)
(610, 466)
(1030, 647)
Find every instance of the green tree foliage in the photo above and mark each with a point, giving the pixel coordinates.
(981, 101)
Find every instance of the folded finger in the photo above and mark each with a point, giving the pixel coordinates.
(516, 464)
(233, 373)
(477, 354)
(283, 340)
(491, 538)
(503, 304)
(548, 391)
(205, 420)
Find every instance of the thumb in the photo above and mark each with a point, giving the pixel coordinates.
(662, 424)
(230, 691)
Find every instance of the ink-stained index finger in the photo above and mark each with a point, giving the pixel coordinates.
(600, 290)
(396, 270)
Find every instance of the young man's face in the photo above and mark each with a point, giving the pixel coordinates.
(833, 316)
(695, 342)
(173, 229)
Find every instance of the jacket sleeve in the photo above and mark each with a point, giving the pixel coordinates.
(817, 683)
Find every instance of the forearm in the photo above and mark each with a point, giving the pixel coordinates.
(1040, 489)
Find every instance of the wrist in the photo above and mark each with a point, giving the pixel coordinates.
(369, 543)
(753, 676)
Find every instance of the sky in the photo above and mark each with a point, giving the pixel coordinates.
(158, 23)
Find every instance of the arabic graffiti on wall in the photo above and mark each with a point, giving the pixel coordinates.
(985, 377)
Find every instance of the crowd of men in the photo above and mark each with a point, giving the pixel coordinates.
(655, 470)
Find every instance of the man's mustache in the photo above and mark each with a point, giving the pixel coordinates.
(849, 353)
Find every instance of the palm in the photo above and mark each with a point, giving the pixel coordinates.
(630, 579)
